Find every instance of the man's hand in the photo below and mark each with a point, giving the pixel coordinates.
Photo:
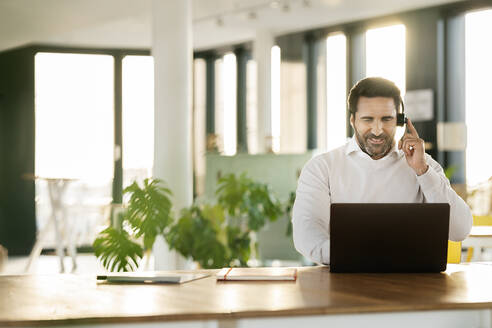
(414, 149)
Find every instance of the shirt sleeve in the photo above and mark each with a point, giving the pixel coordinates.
(437, 189)
(311, 212)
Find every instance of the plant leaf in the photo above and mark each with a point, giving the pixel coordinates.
(116, 251)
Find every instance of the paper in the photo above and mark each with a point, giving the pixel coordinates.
(257, 274)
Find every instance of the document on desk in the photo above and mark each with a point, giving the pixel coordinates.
(150, 277)
(243, 274)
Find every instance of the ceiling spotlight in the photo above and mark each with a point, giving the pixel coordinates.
(219, 21)
(275, 4)
(286, 7)
(252, 15)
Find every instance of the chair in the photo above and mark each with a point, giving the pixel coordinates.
(454, 252)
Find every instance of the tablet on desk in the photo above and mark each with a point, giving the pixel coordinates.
(388, 237)
(150, 277)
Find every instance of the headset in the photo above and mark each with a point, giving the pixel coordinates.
(401, 119)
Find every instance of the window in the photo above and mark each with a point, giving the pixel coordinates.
(385, 54)
(293, 112)
(74, 95)
(252, 106)
(138, 118)
(226, 103)
(478, 66)
(336, 91)
(199, 123)
(275, 100)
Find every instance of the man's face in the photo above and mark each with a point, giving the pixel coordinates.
(375, 125)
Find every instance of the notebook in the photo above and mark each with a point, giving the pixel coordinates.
(150, 277)
(257, 274)
(389, 237)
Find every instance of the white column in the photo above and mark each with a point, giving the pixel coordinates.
(173, 56)
(262, 55)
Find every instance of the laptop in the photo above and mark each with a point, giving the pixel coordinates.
(388, 237)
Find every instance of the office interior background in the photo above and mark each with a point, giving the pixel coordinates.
(268, 90)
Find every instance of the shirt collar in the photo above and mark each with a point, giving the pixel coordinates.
(353, 146)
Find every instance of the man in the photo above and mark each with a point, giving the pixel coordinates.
(371, 168)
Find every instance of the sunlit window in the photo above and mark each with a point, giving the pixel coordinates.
(293, 107)
(478, 54)
(74, 112)
(226, 80)
(385, 54)
(74, 116)
(336, 90)
(252, 106)
(138, 118)
(199, 123)
(275, 100)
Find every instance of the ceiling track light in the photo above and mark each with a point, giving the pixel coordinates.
(251, 12)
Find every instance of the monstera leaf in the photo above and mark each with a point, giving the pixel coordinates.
(116, 251)
(149, 210)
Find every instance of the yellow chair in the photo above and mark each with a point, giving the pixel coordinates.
(481, 220)
(454, 251)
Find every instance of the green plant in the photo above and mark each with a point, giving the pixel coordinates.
(215, 234)
(148, 214)
(450, 171)
(288, 211)
(246, 199)
(225, 228)
(200, 234)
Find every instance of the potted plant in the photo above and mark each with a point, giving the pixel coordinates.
(214, 234)
(221, 234)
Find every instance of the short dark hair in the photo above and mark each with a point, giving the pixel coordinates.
(373, 87)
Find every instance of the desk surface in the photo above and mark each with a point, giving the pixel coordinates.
(72, 299)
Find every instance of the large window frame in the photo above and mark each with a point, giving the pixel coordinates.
(118, 55)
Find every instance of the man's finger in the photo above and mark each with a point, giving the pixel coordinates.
(411, 129)
(409, 145)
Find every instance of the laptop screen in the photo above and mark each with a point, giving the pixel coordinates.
(388, 237)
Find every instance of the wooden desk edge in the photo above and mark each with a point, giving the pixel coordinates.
(250, 314)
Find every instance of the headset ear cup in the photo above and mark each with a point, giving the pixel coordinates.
(400, 119)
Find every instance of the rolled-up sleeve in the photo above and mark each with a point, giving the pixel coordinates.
(311, 213)
(437, 189)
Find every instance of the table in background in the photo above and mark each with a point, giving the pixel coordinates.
(460, 297)
(479, 237)
(58, 218)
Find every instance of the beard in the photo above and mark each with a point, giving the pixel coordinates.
(375, 151)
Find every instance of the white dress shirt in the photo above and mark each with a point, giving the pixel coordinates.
(348, 175)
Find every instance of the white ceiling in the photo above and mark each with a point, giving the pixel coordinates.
(127, 23)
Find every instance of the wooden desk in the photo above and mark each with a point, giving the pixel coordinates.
(461, 297)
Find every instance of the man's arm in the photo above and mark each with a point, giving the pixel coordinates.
(434, 184)
(437, 189)
(311, 212)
